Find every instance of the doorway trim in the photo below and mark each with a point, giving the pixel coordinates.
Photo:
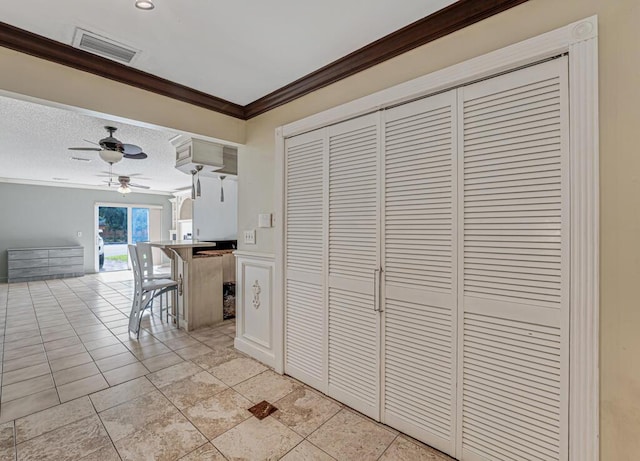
(580, 41)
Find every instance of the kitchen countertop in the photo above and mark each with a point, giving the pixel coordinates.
(181, 244)
(212, 253)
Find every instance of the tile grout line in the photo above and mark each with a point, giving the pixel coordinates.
(201, 400)
(204, 444)
(179, 411)
(85, 348)
(4, 335)
(388, 446)
(86, 305)
(100, 372)
(4, 331)
(46, 356)
(44, 351)
(33, 307)
(170, 403)
(103, 426)
(28, 289)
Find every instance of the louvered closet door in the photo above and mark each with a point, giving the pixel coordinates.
(514, 267)
(420, 270)
(304, 241)
(353, 261)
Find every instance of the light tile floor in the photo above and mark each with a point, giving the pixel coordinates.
(75, 386)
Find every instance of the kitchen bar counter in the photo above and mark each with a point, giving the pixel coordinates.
(206, 253)
(199, 282)
(182, 244)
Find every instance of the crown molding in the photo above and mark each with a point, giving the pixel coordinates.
(69, 185)
(41, 47)
(443, 22)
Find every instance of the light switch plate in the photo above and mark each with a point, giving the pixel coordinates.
(264, 220)
(79, 233)
(250, 237)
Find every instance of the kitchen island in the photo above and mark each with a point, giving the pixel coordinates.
(200, 278)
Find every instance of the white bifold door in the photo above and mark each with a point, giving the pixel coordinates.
(426, 265)
(353, 283)
(420, 289)
(513, 304)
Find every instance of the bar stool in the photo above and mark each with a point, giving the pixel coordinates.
(145, 291)
(145, 258)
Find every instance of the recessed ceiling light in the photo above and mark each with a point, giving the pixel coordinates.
(145, 4)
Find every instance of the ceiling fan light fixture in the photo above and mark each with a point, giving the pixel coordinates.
(110, 156)
(145, 5)
(124, 190)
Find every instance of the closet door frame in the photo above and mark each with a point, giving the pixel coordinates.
(580, 41)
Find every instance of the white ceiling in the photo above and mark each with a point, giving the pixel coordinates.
(236, 50)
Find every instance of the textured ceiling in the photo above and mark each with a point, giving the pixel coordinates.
(238, 50)
(34, 141)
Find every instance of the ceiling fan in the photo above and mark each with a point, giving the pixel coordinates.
(111, 150)
(126, 184)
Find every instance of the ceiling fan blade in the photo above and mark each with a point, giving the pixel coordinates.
(95, 149)
(139, 156)
(139, 186)
(131, 149)
(91, 142)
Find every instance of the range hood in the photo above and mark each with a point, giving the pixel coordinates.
(216, 159)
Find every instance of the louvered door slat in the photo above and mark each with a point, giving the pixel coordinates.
(353, 207)
(514, 266)
(304, 204)
(304, 254)
(419, 263)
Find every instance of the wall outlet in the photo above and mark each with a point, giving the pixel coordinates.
(250, 237)
(79, 233)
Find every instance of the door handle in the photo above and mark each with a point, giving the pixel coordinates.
(380, 271)
(375, 290)
(377, 282)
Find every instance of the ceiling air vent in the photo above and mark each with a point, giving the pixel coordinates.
(94, 43)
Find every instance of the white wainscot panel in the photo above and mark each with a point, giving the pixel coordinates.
(254, 306)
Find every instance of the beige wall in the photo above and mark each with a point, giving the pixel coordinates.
(619, 25)
(37, 78)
